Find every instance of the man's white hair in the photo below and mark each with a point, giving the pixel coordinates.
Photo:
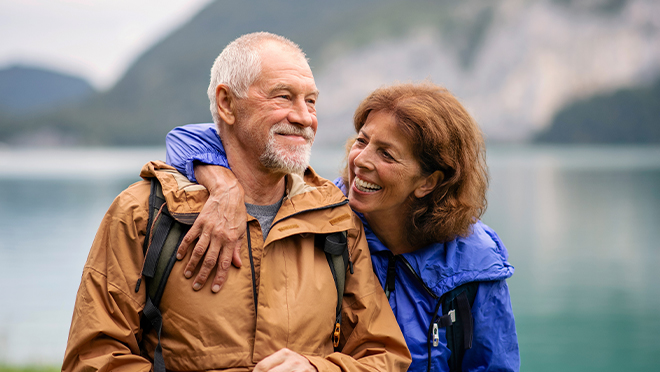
(239, 65)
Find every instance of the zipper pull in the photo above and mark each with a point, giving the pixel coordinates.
(436, 337)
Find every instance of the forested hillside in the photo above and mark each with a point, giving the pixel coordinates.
(29, 90)
(626, 116)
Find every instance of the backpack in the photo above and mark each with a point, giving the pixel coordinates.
(457, 318)
(456, 314)
(163, 237)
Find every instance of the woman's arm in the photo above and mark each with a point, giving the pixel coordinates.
(194, 144)
(220, 226)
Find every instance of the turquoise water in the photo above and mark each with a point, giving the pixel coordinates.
(582, 229)
(581, 226)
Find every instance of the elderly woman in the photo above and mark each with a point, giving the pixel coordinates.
(416, 176)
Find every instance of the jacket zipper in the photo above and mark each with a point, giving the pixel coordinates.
(410, 268)
(254, 278)
(391, 275)
(433, 338)
(390, 279)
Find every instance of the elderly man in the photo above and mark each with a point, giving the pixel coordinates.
(278, 312)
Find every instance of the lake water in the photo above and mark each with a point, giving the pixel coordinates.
(581, 225)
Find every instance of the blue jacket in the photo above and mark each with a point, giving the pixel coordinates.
(481, 257)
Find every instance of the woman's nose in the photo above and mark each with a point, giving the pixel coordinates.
(363, 159)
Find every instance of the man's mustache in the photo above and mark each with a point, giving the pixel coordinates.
(288, 129)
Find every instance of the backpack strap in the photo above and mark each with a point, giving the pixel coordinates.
(457, 318)
(163, 237)
(335, 246)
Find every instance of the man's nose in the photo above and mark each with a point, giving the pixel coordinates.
(300, 114)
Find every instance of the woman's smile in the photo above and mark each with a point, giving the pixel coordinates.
(365, 186)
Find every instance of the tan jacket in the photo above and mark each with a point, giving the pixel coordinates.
(296, 294)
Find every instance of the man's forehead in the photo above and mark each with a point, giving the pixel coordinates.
(278, 55)
(286, 71)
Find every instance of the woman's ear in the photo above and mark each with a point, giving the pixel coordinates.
(429, 184)
(225, 101)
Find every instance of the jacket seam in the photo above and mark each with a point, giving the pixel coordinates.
(110, 283)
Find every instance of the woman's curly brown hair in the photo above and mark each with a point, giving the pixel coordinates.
(444, 138)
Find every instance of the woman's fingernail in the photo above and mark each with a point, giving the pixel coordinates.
(197, 286)
(188, 274)
(215, 288)
(179, 256)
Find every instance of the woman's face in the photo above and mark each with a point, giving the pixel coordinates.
(383, 173)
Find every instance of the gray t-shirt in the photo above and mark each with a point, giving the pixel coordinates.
(265, 214)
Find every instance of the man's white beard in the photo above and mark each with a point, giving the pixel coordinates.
(287, 159)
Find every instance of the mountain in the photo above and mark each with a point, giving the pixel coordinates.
(513, 63)
(27, 90)
(625, 116)
(167, 85)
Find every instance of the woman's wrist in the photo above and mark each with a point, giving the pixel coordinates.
(218, 180)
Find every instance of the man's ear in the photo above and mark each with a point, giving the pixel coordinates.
(429, 184)
(225, 102)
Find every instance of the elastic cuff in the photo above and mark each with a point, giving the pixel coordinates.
(205, 158)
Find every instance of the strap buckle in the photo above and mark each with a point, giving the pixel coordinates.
(335, 335)
(436, 336)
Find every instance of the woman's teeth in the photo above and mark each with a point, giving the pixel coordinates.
(365, 186)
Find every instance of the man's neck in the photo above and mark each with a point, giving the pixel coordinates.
(261, 185)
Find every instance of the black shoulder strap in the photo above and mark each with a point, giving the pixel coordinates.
(457, 317)
(335, 246)
(163, 237)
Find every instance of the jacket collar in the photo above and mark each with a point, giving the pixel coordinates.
(312, 205)
(309, 206)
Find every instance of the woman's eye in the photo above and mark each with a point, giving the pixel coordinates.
(387, 155)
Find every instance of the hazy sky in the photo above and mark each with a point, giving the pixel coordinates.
(95, 39)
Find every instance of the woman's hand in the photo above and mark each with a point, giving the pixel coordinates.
(285, 360)
(220, 227)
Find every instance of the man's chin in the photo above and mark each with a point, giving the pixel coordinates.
(286, 159)
(285, 164)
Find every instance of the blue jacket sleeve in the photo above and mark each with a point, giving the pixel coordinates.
(495, 343)
(194, 142)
